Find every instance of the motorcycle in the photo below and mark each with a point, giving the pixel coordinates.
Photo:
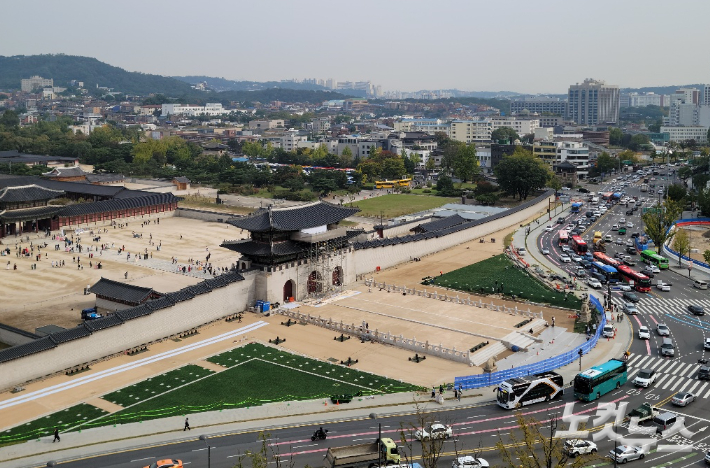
(319, 434)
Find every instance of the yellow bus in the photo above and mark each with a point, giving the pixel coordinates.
(597, 236)
(388, 184)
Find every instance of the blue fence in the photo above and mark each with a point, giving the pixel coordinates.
(495, 378)
(697, 262)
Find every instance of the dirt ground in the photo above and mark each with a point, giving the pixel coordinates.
(697, 241)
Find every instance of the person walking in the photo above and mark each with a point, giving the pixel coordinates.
(56, 435)
(433, 392)
(187, 425)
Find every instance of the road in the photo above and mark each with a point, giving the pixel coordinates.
(480, 426)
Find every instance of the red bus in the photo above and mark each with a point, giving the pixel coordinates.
(642, 283)
(606, 260)
(578, 244)
(564, 237)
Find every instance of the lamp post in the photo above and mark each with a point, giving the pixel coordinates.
(209, 454)
(379, 439)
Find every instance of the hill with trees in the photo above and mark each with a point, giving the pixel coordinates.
(223, 84)
(64, 68)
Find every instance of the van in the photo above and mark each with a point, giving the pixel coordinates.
(664, 421)
(608, 331)
(667, 348)
(700, 284)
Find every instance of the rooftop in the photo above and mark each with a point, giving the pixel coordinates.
(293, 218)
(111, 289)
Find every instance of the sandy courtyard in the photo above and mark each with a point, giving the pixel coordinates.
(51, 295)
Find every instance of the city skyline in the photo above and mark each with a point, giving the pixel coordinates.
(403, 46)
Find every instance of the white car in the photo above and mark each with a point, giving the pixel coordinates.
(663, 287)
(435, 431)
(624, 453)
(624, 287)
(622, 220)
(619, 241)
(522, 251)
(644, 333)
(594, 283)
(564, 258)
(630, 243)
(629, 224)
(469, 461)
(645, 377)
(575, 258)
(545, 251)
(615, 227)
(548, 228)
(575, 447)
(654, 269)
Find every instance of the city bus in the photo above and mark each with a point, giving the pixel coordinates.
(606, 260)
(578, 245)
(393, 183)
(649, 256)
(563, 237)
(522, 391)
(576, 207)
(607, 195)
(600, 380)
(642, 283)
(609, 272)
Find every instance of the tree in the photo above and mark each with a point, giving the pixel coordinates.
(9, 119)
(466, 163)
(393, 168)
(431, 449)
(445, 186)
(521, 173)
(555, 183)
(658, 222)
(706, 256)
(605, 163)
(615, 136)
(676, 192)
(681, 243)
(685, 173)
(704, 201)
(346, 157)
(523, 449)
(504, 133)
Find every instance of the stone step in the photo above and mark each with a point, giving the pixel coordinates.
(491, 350)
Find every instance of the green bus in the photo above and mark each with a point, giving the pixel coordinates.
(649, 256)
(599, 380)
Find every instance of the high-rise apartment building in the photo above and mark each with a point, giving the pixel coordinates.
(593, 102)
(30, 84)
(539, 105)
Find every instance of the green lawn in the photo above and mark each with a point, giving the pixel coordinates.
(157, 385)
(64, 420)
(400, 204)
(255, 374)
(484, 276)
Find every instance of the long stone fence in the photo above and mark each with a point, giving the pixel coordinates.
(371, 283)
(399, 341)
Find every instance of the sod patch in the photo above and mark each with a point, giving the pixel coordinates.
(157, 385)
(65, 420)
(487, 277)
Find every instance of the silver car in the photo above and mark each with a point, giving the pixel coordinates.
(624, 453)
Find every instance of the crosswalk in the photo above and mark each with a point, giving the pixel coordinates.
(673, 375)
(662, 306)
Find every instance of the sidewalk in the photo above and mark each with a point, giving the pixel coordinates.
(97, 441)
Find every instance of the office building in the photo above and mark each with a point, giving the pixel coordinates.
(539, 105)
(593, 102)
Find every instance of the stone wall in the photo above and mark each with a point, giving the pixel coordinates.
(202, 309)
(14, 336)
(203, 215)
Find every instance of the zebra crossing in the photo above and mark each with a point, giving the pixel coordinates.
(672, 375)
(662, 306)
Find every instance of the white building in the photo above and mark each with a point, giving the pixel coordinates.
(27, 85)
(682, 114)
(593, 102)
(521, 126)
(697, 133)
(648, 99)
(211, 108)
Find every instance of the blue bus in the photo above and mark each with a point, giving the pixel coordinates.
(609, 272)
(575, 207)
(600, 380)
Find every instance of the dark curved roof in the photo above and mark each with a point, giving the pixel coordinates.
(103, 323)
(27, 193)
(259, 249)
(129, 293)
(118, 204)
(441, 223)
(26, 214)
(293, 218)
(36, 346)
(72, 334)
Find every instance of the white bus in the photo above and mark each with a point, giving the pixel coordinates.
(522, 391)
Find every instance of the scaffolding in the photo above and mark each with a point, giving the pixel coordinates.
(326, 274)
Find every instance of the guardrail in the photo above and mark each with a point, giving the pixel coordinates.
(495, 378)
(684, 222)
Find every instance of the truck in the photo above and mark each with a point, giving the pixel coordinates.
(362, 455)
(645, 412)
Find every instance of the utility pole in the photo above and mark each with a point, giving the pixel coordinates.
(581, 353)
(553, 428)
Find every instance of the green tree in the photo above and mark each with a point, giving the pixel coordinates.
(706, 256)
(393, 168)
(555, 183)
(346, 157)
(676, 192)
(704, 200)
(521, 173)
(605, 163)
(9, 119)
(445, 186)
(700, 180)
(615, 136)
(681, 243)
(466, 165)
(659, 221)
(504, 133)
(685, 173)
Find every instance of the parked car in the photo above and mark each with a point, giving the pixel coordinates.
(696, 309)
(522, 251)
(625, 453)
(469, 461)
(644, 333)
(631, 297)
(435, 431)
(645, 377)
(662, 329)
(683, 399)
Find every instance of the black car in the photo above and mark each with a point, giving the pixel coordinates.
(583, 190)
(602, 279)
(629, 212)
(631, 297)
(635, 235)
(696, 309)
(704, 372)
(585, 263)
(631, 250)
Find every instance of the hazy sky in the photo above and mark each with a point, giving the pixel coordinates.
(526, 46)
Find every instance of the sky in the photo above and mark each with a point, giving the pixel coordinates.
(493, 45)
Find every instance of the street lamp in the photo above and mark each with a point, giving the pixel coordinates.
(379, 439)
(209, 454)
